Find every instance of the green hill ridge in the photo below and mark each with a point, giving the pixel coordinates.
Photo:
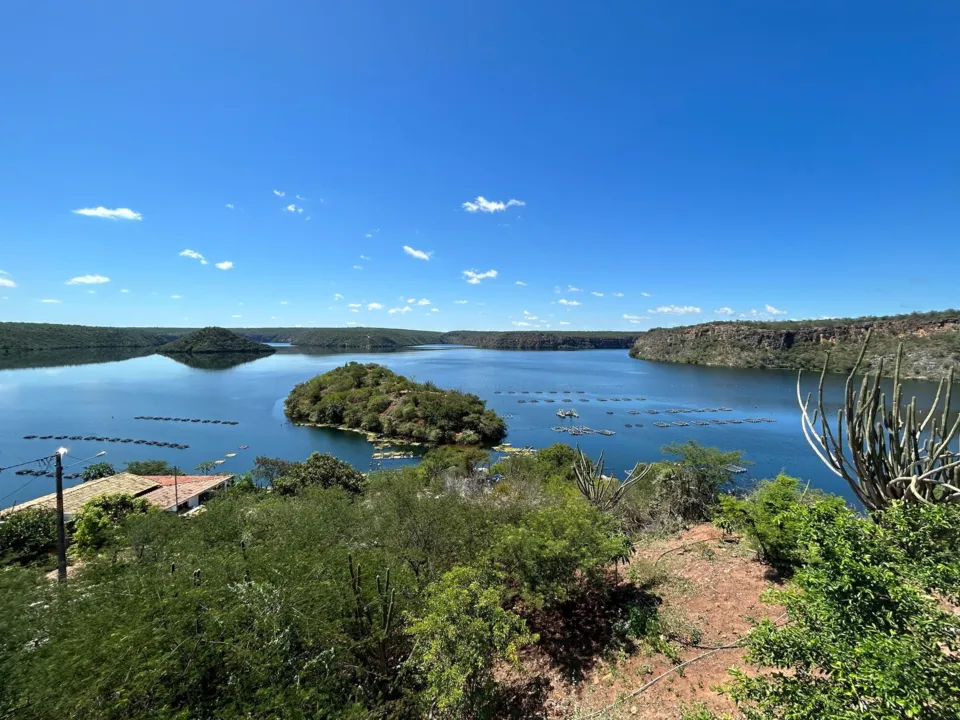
(214, 340)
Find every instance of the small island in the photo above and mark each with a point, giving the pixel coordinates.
(214, 340)
(372, 399)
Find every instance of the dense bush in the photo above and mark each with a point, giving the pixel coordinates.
(319, 470)
(150, 467)
(99, 522)
(867, 636)
(27, 532)
(372, 398)
(97, 471)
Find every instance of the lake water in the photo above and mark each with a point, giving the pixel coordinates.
(103, 398)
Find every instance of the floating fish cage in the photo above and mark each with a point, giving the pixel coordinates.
(680, 423)
(662, 424)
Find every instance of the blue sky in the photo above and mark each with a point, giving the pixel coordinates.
(640, 164)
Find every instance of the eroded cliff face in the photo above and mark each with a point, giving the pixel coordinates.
(931, 344)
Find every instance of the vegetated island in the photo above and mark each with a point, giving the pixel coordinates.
(372, 399)
(214, 340)
(931, 344)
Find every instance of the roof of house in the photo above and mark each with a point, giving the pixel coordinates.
(180, 479)
(166, 495)
(75, 497)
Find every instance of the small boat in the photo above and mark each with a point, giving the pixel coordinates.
(242, 447)
(230, 455)
(628, 425)
(219, 462)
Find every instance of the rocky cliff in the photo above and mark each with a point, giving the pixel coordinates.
(931, 343)
(534, 340)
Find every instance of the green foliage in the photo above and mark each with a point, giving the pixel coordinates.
(149, 467)
(352, 395)
(542, 340)
(27, 532)
(206, 466)
(99, 522)
(49, 336)
(266, 470)
(214, 340)
(866, 638)
(770, 520)
(319, 470)
(461, 459)
(97, 471)
(554, 546)
(461, 632)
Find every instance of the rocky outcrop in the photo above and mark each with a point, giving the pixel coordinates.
(931, 343)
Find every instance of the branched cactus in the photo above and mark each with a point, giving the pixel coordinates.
(601, 491)
(893, 452)
(374, 626)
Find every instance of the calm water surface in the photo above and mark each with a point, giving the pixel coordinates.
(102, 399)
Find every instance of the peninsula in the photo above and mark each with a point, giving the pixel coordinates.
(931, 344)
(372, 399)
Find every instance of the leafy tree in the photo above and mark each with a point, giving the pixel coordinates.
(461, 632)
(97, 471)
(463, 460)
(267, 470)
(149, 467)
(206, 466)
(98, 523)
(867, 636)
(319, 470)
(27, 532)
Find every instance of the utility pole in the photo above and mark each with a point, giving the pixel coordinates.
(176, 492)
(61, 530)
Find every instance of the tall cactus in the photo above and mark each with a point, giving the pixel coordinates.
(603, 492)
(892, 452)
(380, 642)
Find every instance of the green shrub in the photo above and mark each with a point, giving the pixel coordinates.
(461, 459)
(149, 467)
(98, 523)
(97, 471)
(320, 470)
(27, 532)
(461, 632)
(865, 637)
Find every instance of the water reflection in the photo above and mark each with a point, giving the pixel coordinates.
(215, 361)
(22, 359)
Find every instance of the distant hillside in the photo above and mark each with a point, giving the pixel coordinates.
(48, 336)
(931, 343)
(538, 340)
(365, 338)
(211, 340)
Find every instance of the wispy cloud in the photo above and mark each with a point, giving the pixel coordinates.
(434, 310)
(401, 310)
(571, 288)
(236, 316)
(460, 302)
(773, 311)
(124, 290)
(481, 204)
(91, 292)
(115, 214)
(520, 283)
(176, 297)
(617, 294)
(353, 309)
(225, 265)
(676, 309)
(229, 206)
(354, 305)
(725, 311)
(7, 283)
(374, 306)
(646, 294)
(423, 302)
(358, 267)
(634, 318)
(568, 303)
(563, 322)
(88, 280)
(193, 254)
(284, 302)
(337, 296)
(293, 208)
(521, 323)
(474, 278)
(364, 257)
(418, 254)
(50, 300)
(596, 294)
(300, 197)
(279, 193)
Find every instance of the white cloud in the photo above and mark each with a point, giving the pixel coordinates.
(408, 300)
(88, 280)
(568, 303)
(724, 311)
(434, 310)
(418, 254)
(520, 283)
(646, 294)
(481, 204)
(522, 324)
(194, 255)
(527, 315)
(236, 316)
(364, 257)
(374, 306)
(124, 290)
(358, 267)
(563, 322)
(116, 214)
(354, 305)
(279, 193)
(617, 294)
(422, 302)
(368, 235)
(596, 294)
(91, 292)
(225, 265)
(292, 208)
(404, 309)
(300, 197)
(354, 310)
(460, 302)
(350, 324)
(229, 206)
(634, 318)
(284, 302)
(474, 278)
(50, 300)
(7, 282)
(571, 288)
(337, 296)
(175, 297)
(4, 272)
(773, 311)
(676, 309)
